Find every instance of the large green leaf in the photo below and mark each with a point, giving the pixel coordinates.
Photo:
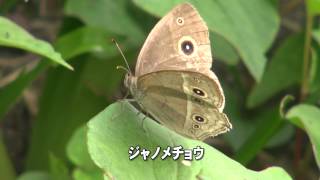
(307, 117)
(222, 50)
(249, 25)
(113, 131)
(78, 154)
(283, 71)
(65, 104)
(110, 15)
(58, 168)
(83, 40)
(11, 35)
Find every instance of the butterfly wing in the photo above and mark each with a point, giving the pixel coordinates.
(184, 102)
(181, 27)
(179, 41)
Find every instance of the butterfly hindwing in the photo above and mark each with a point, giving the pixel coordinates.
(172, 98)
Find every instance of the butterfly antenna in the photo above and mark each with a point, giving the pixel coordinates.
(124, 58)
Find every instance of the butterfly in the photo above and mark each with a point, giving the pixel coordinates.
(173, 81)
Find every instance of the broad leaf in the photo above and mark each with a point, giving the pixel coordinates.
(283, 71)
(11, 35)
(77, 151)
(113, 131)
(116, 15)
(307, 117)
(58, 106)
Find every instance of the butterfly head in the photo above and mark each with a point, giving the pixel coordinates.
(130, 82)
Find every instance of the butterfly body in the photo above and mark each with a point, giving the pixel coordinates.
(173, 81)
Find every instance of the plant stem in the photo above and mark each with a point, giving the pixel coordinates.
(304, 91)
(306, 59)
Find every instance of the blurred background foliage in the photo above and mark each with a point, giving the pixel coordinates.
(263, 50)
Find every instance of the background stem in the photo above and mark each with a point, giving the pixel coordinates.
(304, 85)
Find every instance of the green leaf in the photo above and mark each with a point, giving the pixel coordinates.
(284, 71)
(58, 168)
(113, 131)
(259, 129)
(80, 174)
(11, 35)
(66, 103)
(116, 16)
(77, 150)
(89, 89)
(223, 50)
(250, 25)
(86, 39)
(75, 43)
(268, 124)
(307, 117)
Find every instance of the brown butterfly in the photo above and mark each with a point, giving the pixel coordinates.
(173, 81)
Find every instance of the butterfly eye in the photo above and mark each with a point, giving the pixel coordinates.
(199, 92)
(187, 47)
(198, 118)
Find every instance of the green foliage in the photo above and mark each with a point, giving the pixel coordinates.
(12, 35)
(307, 117)
(256, 70)
(283, 71)
(78, 154)
(118, 127)
(117, 18)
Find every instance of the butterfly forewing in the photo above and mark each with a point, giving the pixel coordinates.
(169, 44)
